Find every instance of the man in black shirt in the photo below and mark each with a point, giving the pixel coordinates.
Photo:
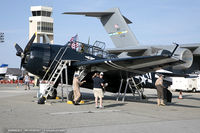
(97, 89)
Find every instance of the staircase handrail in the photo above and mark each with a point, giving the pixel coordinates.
(52, 63)
(58, 61)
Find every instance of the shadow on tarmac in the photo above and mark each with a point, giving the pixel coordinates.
(190, 97)
(182, 105)
(115, 105)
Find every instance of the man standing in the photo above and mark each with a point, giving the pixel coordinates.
(159, 85)
(76, 88)
(97, 89)
(27, 80)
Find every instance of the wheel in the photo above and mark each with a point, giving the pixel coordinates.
(143, 96)
(71, 96)
(41, 100)
(54, 95)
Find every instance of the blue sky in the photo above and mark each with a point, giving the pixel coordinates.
(159, 22)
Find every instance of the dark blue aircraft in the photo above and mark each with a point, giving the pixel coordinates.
(43, 59)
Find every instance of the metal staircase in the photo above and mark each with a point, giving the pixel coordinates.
(57, 66)
(55, 75)
(138, 89)
(134, 88)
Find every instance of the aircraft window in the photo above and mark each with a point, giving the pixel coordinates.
(94, 50)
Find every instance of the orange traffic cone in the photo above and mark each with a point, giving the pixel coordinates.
(180, 95)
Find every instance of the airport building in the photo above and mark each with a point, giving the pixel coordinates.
(42, 23)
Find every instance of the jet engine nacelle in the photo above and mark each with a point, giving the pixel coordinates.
(184, 55)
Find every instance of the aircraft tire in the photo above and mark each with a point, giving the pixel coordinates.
(54, 95)
(71, 96)
(41, 100)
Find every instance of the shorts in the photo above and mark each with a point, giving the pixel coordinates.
(98, 92)
(26, 83)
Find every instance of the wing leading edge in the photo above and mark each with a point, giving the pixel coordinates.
(138, 65)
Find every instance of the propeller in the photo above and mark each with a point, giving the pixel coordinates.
(21, 52)
(29, 43)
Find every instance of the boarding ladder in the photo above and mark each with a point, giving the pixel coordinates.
(82, 72)
(135, 89)
(59, 65)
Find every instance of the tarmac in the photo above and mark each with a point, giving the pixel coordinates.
(20, 113)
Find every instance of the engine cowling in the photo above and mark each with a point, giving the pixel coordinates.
(184, 55)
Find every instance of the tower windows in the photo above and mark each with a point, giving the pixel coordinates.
(45, 27)
(41, 13)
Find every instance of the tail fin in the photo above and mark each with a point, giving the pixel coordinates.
(116, 26)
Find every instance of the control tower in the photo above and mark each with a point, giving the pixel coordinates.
(42, 23)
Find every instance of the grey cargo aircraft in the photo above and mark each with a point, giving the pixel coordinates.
(116, 25)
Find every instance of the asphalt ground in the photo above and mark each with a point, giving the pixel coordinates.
(21, 113)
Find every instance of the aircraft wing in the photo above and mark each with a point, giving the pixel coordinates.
(139, 50)
(131, 49)
(134, 50)
(138, 65)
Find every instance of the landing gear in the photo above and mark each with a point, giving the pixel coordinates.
(134, 88)
(50, 94)
(42, 100)
(53, 96)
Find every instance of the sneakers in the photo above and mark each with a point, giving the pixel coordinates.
(101, 107)
(162, 104)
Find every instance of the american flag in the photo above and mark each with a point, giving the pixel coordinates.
(73, 42)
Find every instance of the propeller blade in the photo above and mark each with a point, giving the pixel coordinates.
(29, 44)
(19, 49)
(22, 61)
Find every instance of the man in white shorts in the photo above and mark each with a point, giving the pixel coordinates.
(97, 89)
(27, 80)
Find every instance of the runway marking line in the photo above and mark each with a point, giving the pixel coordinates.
(89, 111)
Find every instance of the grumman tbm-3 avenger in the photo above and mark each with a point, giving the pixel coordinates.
(44, 60)
(58, 63)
